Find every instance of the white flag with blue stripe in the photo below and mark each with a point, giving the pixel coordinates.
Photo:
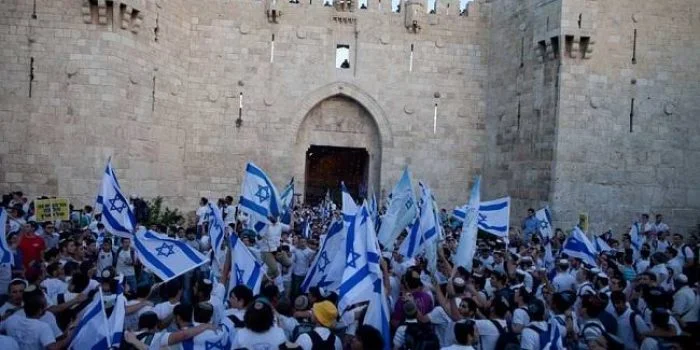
(6, 256)
(423, 230)
(245, 268)
(579, 246)
(373, 206)
(217, 230)
(467, 239)
(259, 197)
(168, 258)
(286, 201)
(307, 228)
(554, 340)
(361, 261)
(327, 267)
(92, 331)
(117, 217)
(601, 245)
(544, 217)
(401, 212)
(116, 318)
(494, 216)
(411, 245)
(377, 314)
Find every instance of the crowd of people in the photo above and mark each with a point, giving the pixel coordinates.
(640, 295)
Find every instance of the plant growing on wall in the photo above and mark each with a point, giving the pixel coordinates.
(157, 215)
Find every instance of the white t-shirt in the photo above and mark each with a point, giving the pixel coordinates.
(47, 318)
(131, 321)
(164, 309)
(683, 304)
(520, 317)
(203, 215)
(301, 260)
(209, 339)
(230, 211)
(8, 343)
(270, 239)
(30, 334)
(563, 282)
(104, 260)
(444, 326)
(458, 347)
(54, 286)
(530, 339)
(304, 340)
(7, 306)
(123, 261)
(269, 340)
(488, 333)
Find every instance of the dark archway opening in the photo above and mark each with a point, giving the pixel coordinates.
(327, 166)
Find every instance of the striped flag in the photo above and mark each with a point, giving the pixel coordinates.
(400, 213)
(117, 216)
(245, 268)
(168, 258)
(259, 197)
(6, 256)
(467, 239)
(93, 330)
(579, 246)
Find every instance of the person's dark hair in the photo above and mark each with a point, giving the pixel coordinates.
(462, 332)
(645, 215)
(148, 320)
(79, 281)
(53, 268)
(271, 292)
(203, 312)
(650, 275)
(501, 307)
(459, 289)
(85, 266)
(204, 200)
(370, 337)
(244, 293)
(592, 304)
(258, 316)
(660, 318)
(559, 303)
(204, 288)
(536, 310)
(531, 210)
(412, 281)
(184, 311)
(100, 226)
(33, 304)
(142, 291)
(172, 287)
(618, 297)
(621, 281)
(50, 254)
(524, 294)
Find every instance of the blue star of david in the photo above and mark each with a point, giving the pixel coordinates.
(482, 217)
(352, 257)
(544, 224)
(263, 193)
(323, 262)
(409, 203)
(166, 250)
(117, 203)
(212, 345)
(239, 275)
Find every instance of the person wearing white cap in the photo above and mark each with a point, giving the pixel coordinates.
(683, 300)
(563, 281)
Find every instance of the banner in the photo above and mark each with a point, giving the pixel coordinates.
(51, 209)
(583, 222)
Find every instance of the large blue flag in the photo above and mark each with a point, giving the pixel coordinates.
(6, 256)
(401, 212)
(579, 246)
(93, 330)
(259, 197)
(544, 217)
(423, 231)
(494, 216)
(117, 216)
(467, 239)
(168, 258)
(327, 267)
(361, 260)
(217, 231)
(116, 318)
(245, 268)
(378, 314)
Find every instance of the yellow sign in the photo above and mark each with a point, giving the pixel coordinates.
(583, 222)
(51, 209)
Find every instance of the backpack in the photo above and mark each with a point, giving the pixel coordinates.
(507, 339)
(317, 343)
(302, 328)
(238, 323)
(545, 336)
(145, 337)
(420, 337)
(633, 325)
(614, 342)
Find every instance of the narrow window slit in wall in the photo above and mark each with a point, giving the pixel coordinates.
(31, 75)
(583, 45)
(547, 25)
(518, 115)
(410, 60)
(153, 95)
(634, 47)
(156, 29)
(568, 44)
(580, 19)
(555, 47)
(272, 49)
(34, 10)
(522, 52)
(632, 115)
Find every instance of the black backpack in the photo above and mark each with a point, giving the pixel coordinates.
(420, 337)
(303, 328)
(317, 343)
(237, 323)
(145, 337)
(507, 339)
(614, 342)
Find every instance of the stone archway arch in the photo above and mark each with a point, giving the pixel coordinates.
(361, 123)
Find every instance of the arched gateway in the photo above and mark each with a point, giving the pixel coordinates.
(340, 137)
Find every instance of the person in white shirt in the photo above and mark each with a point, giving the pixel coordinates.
(164, 310)
(126, 259)
(229, 211)
(260, 331)
(324, 314)
(14, 303)
(662, 328)
(660, 226)
(521, 318)
(683, 300)
(54, 284)
(203, 292)
(105, 257)
(488, 330)
(466, 336)
(302, 256)
(202, 215)
(630, 325)
(684, 252)
(563, 280)
(530, 337)
(210, 336)
(268, 244)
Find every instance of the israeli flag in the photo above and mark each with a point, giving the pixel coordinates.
(93, 330)
(116, 214)
(579, 246)
(327, 267)
(545, 222)
(286, 200)
(6, 256)
(423, 230)
(467, 240)
(601, 245)
(377, 314)
(259, 197)
(168, 258)
(217, 230)
(245, 268)
(401, 212)
(494, 216)
(373, 207)
(411, 245)
(307, 228)
(636, 239)
(349, 208)
(116, 318)
(361, 261)
(554, 340)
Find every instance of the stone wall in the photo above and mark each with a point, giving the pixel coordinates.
(612, 165)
